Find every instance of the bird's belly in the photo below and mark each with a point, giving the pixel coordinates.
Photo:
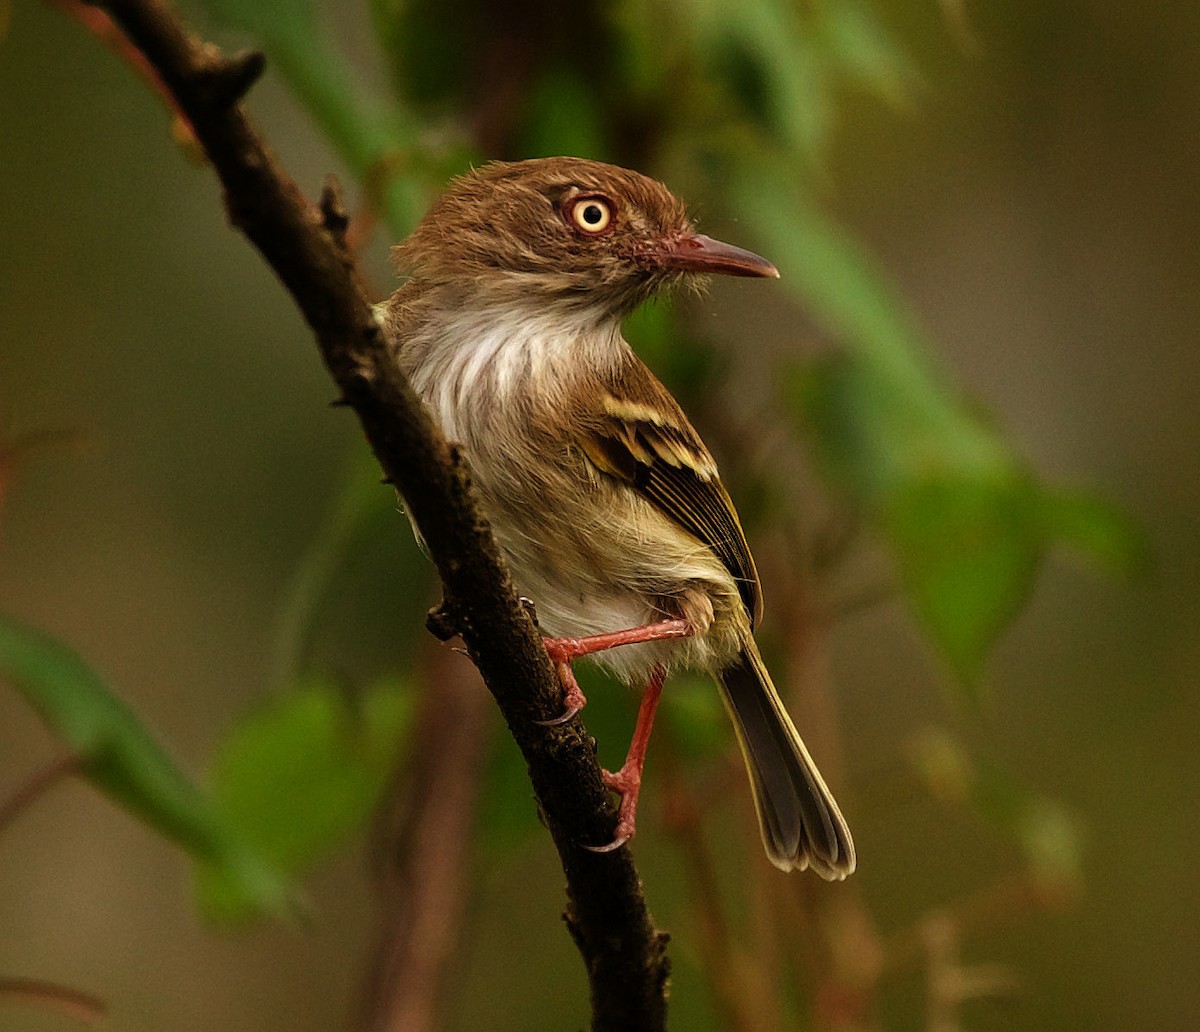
(597, 560)
(590, 553)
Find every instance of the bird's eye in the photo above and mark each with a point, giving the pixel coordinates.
(591, 214)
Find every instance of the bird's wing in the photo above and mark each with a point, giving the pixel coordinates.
(637, 433)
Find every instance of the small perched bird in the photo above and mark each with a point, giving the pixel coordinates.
(604, 500)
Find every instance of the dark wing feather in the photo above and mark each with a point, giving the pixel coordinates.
(640, 435)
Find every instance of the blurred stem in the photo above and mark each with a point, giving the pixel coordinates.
(742, 991)
(949, 983)
(100, 25)
(851, 955)
(1007, 900)
(81, 1006)
(826, 932)
(958, 21)
(14, 453)
(38, 785)
(421, 852)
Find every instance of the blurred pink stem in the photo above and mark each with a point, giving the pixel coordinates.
(41, 782)
(422, 844)
(74, 1004)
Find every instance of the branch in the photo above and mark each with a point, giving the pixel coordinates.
(606, 912)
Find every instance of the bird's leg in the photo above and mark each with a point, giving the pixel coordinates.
(628, 780)
(563, 650)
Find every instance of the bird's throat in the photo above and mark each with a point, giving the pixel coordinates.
(462, 356)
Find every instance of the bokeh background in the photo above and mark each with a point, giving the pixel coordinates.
(1034, 202)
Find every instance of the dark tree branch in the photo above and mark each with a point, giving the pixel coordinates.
(606, 911)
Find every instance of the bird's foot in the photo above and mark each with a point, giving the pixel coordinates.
(573, 698)
(627, 782)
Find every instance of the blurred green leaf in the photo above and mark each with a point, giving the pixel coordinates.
(1042, 828)
(967, 550)
(428, 48)
(120, 758)
(303, 772)
(830, 273)
(862, 50)
(968, 526)
(771, 66)
(783, 64)
(961, 517)
(562, 116)
(1044, 831)
(358, 497)
(1096, 529)
(652, 47)
(966, 523)
(375, 140)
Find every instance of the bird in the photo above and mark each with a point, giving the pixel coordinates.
(605, 502)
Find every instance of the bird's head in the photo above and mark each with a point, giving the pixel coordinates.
(565, 231)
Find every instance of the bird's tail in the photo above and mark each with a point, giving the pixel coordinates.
(801, 824)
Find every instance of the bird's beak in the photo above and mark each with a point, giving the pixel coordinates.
(699, 253)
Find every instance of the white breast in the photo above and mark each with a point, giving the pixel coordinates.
(476, 358)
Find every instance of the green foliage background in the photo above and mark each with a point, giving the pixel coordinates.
(985, 225)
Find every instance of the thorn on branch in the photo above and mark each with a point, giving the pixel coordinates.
(530, 608)
(443, 621)
(333, 211)
(226, 81)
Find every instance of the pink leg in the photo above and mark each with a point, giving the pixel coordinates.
(563, 650)
(628, 780)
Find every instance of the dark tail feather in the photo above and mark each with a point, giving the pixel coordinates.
(801, 824)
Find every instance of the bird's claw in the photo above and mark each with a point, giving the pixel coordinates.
(618, 841)
(573, 698)
(570, 713)
(628, 783)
